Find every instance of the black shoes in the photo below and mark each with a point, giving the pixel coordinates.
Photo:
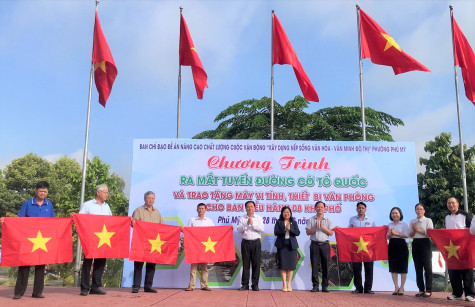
(17, 297)
(135, 290)
(38, 296)
(356, 291)
(315, 289)
(244, 288)
(84, 292)
(150, 290)
(255, 288)
(97, 291)
(325, 290)
(369, 292)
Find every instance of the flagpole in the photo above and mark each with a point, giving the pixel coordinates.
(77, 265)
(462, 158)
(272, 80)
(179, 85)
(363, 122)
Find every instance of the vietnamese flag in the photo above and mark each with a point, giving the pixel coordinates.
(284, 53)
(465, 58)
(189, 57)
(155, 243)
(209, 244)
(382, 49)
(105, 70)
(362, 244)
(456, 246)
(36, 241)
(103, 236)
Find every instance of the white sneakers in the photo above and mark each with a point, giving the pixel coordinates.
(468, 298)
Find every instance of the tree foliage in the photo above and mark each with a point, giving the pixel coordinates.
(250, 119)
(442, 177)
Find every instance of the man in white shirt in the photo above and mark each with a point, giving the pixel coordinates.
(97, 206)
(319, 228)
(461, 280)
(361, 220)
(250, 227)
(199, 221)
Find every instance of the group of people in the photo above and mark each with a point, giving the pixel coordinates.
(319, 228)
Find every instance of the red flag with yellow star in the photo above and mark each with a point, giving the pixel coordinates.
(105, 70)
(284, 53)
(189, 57)
(103, 236)
(36, 241)
(209, 244)
(155, 243)
(382, 49)
(362, 244)
(456, 246)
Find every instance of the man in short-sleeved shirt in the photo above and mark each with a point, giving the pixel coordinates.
(147, 213)
(461, 280)
(361, 220)
(97, 206)
(199, 221)
(37, 206)
(319, 228)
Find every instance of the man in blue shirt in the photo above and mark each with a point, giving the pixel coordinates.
(37, 206)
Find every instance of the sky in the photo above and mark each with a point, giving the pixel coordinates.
(45, 61)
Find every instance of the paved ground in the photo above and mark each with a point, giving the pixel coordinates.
(69, 296)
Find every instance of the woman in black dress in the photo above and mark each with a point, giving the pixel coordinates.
(286, 230)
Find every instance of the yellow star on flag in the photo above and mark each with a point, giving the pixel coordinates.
(101, 65)
(194, 49)
(452, 250)
(209, 245)
(39, 242)
(104, 236)
(390, 42)
(362, 245)
(157, 244)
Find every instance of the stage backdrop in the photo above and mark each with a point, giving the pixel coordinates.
(223, 174)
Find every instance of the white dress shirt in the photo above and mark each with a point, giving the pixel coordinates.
(250, 232)
(423, 223)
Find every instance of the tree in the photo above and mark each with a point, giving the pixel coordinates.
(250, 119)
(442, 177)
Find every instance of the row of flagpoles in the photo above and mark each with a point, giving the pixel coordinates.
(373, 42)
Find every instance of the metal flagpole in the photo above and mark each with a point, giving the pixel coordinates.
(363, 122)
(462, 158)
(77, 265)
(179, 85)
(272, 81)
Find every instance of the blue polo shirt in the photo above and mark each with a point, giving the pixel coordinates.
(30, 208)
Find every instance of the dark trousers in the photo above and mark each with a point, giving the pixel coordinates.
(422, 255)
(97, 270)
(462, 281)
(368, 275)
(149, 273)
(251, 258)
(22, 280)
(319, 254)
